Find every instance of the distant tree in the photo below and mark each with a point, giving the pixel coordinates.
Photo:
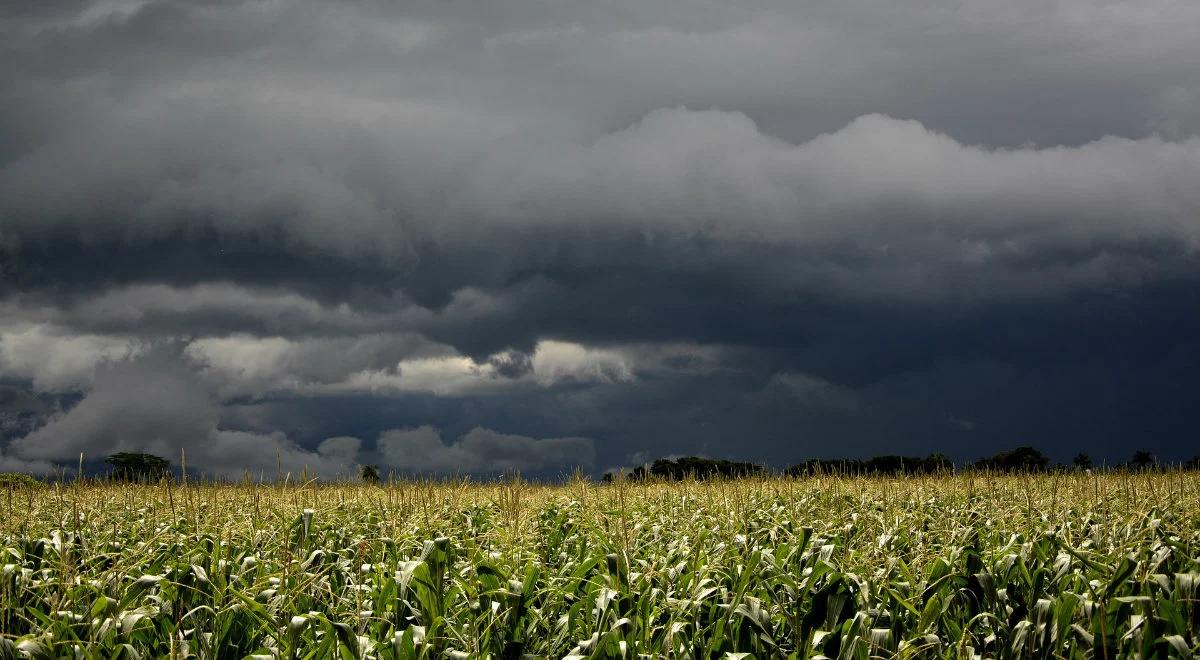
(139, 467)
(1021, 459)
(1082, 461)
(879, 465)
(369, 473)
(935, 463)
(1193, 463)
(1141, 460)
(694, 467)
(890, 465)
(621, 474)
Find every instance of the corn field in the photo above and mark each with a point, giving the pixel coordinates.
(973, 565)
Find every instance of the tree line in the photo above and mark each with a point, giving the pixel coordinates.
(138, 467)
(692, 467)
(1023, 459)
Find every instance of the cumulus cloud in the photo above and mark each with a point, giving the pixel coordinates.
(170, 409)
(155, 403)
(247, 365)
(53, 360)
(558, 361)
(233, 453)
(244, 365)
(158, 402)
(480, 451)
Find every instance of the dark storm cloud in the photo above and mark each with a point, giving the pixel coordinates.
(730, 227)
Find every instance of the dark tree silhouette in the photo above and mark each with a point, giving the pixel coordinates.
(1142, 459)
(937, 463)
(702, 468)
(1021, 459)
(882, 465)
(369, 473)
(693, 467)
(135, 466)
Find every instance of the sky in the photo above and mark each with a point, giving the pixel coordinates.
(461, 237)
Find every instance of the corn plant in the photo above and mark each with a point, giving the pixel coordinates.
(974, 565)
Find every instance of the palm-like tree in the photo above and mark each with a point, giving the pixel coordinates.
(136, 466)
(369, 473)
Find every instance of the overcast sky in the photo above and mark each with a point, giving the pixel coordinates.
(456, 236)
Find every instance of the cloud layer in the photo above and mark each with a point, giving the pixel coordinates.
(504, 239)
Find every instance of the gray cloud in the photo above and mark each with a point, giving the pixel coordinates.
(155, 403)
(285, 122)
(914, 205)
(481, 450)
(996, 74)
(54, 359)
(812, 392)
(714, 226)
